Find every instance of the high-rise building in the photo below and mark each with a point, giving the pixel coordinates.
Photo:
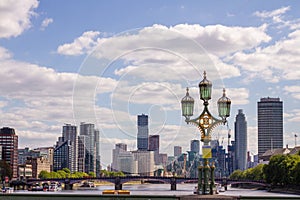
(70, 133)
(143, 132)
(154, 146)
(9, 143)
(270, 124)
(88, 130)
(230, 158)
(66, 150)
(219, 157)
(195, 146)
(145, 160)
(127, 163)
(119, 148)
(177, 151)
(62, 157)
(97, 145)
(240, 135)
(82, 151)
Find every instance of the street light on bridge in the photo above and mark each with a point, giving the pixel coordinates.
(205, 123)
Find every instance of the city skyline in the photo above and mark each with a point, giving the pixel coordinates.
(66, 62)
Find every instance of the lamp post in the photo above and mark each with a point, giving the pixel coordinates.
(205, 123)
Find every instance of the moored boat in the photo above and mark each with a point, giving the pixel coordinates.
(53, 187)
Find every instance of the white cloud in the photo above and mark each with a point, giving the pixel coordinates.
(15, 16)
(4, 54)
(45, 23)
(272, 14)
(223, 40)
(81, 45)
(41, 101)
(185, 40)
(270, 63)
(160, 92)
(238, 96)
(175, 50)
(295, 88)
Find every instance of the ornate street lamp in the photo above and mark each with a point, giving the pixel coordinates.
(205, 123)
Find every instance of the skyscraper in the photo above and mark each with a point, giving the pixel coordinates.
(177, 151)
(70, 133)
(9, 143)
(154, 146)
(195, 146)
(62, 157)
(97, 146)
(88, 130)
(270, 124)
(240, 135)
(143, 132)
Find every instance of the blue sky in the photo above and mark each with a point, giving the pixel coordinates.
(107, 61)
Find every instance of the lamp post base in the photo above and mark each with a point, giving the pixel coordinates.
(206, 175)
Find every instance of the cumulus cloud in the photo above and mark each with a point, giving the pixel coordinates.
(178, 51)
(15, 16)
(45, 23)
(81, 45)
(270, 63)
(214, 39)
(41, 101)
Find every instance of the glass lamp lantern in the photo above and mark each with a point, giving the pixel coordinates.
(224, 106)
(187, 105)
(205, 88)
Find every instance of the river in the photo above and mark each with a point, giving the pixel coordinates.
(164, 189)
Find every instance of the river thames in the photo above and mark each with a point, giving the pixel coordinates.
(164, 189)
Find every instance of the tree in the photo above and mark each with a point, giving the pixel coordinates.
(280, 170)
(92, 174)
(237, 174)
(44, 174)
(68, 171)
(296, 174)
(5, 170)
(257, 172)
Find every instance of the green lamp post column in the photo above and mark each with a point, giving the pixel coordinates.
(205, 123)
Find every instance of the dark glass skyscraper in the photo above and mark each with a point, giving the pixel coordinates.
(154, 146)
(195, 146)
(240, 135)
(270, 124)
(143, 132)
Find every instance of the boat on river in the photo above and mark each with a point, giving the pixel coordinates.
(87, 185)
(35, 187)
(54, 187)
(7, 190)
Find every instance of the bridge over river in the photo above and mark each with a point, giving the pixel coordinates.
(120, 180)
